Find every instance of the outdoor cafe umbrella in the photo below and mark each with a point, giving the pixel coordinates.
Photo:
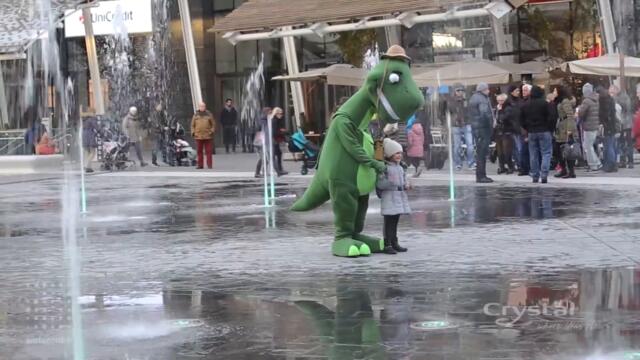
(338, 74)
(341, 74)
(606, 65)
(472, 72)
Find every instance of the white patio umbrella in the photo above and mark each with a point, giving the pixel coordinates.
(338, 74)
(472, 72)
(606, 65)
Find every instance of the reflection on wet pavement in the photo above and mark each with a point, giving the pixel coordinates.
(186, 269)
(573, 315)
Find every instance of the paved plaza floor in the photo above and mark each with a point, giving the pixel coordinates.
(180, 264)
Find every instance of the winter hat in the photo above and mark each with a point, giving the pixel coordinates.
(587, 89)
(512, 88)
(391, 147)
(482, 87)
(458, 86)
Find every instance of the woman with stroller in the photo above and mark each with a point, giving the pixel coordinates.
(277, 137)
(259, 139)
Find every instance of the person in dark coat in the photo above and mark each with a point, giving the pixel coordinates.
(481, 117)
(609, 123)
(229, 120)
(158, 125)
(520, 137)
(456, 105)
(506, 121)
(537, 121)
(89, 139)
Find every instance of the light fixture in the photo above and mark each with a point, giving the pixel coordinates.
(407, 19)
(500, 8)
(231, 37)
(361, 23)
(274, 33)
(319, 29)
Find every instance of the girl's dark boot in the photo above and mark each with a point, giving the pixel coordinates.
(396, 246)
(388, 249)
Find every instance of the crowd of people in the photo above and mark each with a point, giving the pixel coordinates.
(536, 132)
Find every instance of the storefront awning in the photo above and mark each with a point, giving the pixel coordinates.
(23, 21)
(265, 15)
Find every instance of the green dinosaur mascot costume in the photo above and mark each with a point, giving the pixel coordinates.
(347, 169)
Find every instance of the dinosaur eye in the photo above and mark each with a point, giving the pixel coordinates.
(394, 78)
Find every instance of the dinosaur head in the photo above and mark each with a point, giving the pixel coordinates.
(391, 87)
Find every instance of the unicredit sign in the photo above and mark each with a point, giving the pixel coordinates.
(111, 17)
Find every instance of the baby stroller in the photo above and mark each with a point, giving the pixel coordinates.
(178, 151)
(298, 143)
(115, 150)
(438, 153)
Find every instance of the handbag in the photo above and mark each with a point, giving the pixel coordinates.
(572, 152)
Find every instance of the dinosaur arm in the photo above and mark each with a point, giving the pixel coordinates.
(351, 140)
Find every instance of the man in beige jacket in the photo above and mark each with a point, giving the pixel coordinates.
(203, 126)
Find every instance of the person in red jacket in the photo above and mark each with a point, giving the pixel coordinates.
(415, 151)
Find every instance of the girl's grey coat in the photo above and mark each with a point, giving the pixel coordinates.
(393, 196)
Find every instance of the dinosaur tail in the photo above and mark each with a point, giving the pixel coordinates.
(314, 196)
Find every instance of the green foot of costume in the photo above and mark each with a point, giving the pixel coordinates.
(350, 248)
(375, 244)
(347, 169)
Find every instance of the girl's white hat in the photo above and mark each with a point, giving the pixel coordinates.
(391, 147)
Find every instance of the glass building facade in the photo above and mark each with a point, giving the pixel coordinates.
(224, 68)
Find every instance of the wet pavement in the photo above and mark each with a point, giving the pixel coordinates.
(183, 268)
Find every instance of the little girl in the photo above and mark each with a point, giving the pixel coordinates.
(392, 187)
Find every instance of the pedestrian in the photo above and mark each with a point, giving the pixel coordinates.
(522, 141)
(521, 150)
(506, 118)
(537, 122)
(398, 133)
(422, 116)
(203, 126)
(415, 150)
(278, 132)
(158, 125)
(46, 146)
(89, 139)
(566, 134)
(391, 187)
(589, 114)
(481, 117)
(229, 120)
(610, 125)
(133, 130)
(261, 141)
(35, 130)
(552, 100)
(635, 129)
(456, 106)
(625, 146)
